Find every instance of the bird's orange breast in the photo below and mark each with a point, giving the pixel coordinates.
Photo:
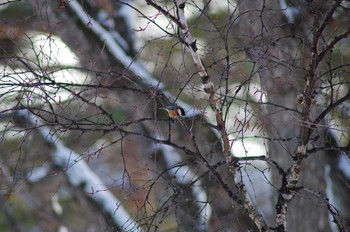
(172, 113)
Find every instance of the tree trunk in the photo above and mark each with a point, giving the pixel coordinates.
(270, 43)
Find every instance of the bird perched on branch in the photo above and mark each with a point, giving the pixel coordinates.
(174, 111)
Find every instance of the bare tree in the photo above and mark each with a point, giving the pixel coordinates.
(262, 143)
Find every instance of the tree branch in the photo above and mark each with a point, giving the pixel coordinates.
(214, 103)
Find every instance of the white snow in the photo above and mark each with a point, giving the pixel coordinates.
(80, 174)
(134, 65)
(184, 175)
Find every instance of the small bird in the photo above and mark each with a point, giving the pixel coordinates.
(174, 111)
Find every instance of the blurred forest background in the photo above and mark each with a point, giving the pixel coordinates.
(264, 145)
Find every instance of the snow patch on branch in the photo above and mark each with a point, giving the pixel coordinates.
(330, 195)
(79, 174)
(136, 66)
(289, 11)
(344, 165)
(184, 175)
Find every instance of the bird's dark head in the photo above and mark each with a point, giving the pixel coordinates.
(174, 110)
